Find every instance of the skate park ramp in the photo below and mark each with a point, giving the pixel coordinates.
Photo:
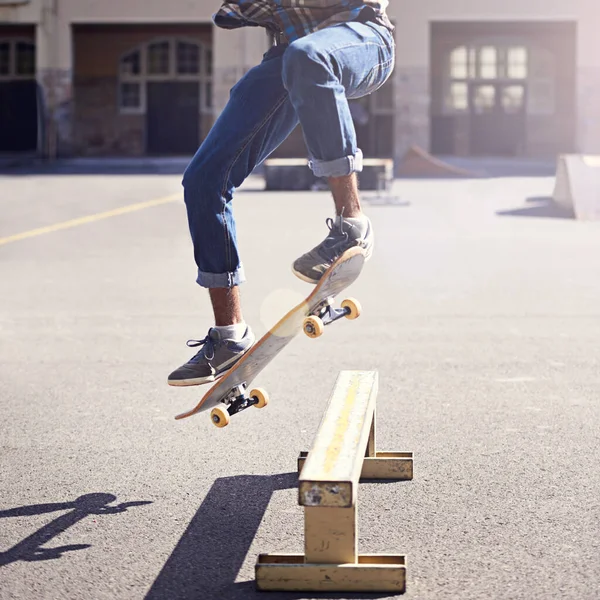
(577, 186)
(418, 163)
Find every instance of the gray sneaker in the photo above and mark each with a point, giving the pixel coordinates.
(214, 358)
(342, 236)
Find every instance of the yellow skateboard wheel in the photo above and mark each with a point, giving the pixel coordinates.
(260, 395)
(313, 327)
(219, 416)
(354, 307)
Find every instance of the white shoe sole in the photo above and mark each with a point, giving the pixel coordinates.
(303, 277)
(195, 381)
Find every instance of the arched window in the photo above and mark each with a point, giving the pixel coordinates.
(173, 59)
(17, 59)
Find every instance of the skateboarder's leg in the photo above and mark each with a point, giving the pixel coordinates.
(256, 120)
(321, 72)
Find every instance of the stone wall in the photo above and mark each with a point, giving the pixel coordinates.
(98, 126)
(412, 109)
(57, 106)
(101, 130)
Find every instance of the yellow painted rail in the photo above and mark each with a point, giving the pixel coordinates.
(343, 453)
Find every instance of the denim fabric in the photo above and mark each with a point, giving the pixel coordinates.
(308, 81)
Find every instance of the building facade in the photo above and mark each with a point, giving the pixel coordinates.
(149, 77)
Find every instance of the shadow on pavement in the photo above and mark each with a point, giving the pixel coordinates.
(541, 207)
(206, 561)
(30, 549)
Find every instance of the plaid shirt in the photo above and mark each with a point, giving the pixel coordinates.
(293, 19)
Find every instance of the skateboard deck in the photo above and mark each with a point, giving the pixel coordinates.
(230, 390)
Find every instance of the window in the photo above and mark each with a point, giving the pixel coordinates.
(5, 58)
(516, 66)
(484, 99)
(188, 58)
(164, 60)
(458, 98)
(459, 65)
(130, 95)
(513, 98)
(130, 64)
(17, 59)
(158, 58)
(25, 59)
(130, 84)
(488, 62)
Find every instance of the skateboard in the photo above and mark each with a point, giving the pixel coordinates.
(230, 394)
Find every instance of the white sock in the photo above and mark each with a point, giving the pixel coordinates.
(233, 332)
(361, 223)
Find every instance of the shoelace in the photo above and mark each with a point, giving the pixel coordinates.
(208, 346)
(335, 232)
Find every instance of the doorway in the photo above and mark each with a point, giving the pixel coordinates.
(18, 116)
(172, 117)
(18, 96)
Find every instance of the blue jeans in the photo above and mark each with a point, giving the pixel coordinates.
(308, 81)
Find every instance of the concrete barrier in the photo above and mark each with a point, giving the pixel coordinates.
(577, 185)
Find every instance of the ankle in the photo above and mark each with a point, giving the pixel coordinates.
(352, 213)
(226, 305)
(345, 195)
(235, 331)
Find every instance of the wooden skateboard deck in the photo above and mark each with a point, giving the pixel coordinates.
(338, 277)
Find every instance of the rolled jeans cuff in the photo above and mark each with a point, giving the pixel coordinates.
(221, 280)
(338, 167)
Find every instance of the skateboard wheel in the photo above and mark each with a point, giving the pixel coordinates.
(219, 416)
(353, 306)
(261, 396)
(313, 327)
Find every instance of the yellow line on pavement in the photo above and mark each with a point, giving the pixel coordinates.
(89, 219)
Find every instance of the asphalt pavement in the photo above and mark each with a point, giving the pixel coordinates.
(481, 311)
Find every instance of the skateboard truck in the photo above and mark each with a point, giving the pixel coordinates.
(325, 314)
(236, 401)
